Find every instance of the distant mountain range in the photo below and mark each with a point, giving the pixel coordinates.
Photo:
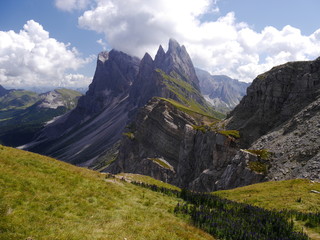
(23, 113)
(223, 92)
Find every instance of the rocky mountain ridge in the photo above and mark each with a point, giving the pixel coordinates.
(223, 92)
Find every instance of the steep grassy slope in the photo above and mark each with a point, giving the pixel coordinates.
(290, 195)
(187, 95)
(42, 198)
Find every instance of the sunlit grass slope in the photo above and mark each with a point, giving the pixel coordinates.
(294, 195)
(147, 180)
(43, 198)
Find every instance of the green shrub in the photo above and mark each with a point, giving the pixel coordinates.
(130, 135)
(161, 163)
(230, 133)
(201, 128)
(258, 167)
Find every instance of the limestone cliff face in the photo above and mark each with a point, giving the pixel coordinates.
(281, 113)
(274, 97)
(162, 143)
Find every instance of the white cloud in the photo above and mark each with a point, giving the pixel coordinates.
(31, 58)
(137, 25)
(223, 46)
(102, 43)
(69, 5)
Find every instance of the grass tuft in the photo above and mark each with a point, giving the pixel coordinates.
(264, 154)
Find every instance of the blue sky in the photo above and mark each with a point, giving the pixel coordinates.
(55, 43)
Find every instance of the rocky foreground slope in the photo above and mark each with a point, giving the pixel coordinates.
(281, 113)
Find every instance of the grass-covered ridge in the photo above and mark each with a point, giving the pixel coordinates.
(187, 95)
(70, 97)
(43, 198)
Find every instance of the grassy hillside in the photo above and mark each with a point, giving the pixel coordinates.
(43, 198)
(18, 99)
(290, 195)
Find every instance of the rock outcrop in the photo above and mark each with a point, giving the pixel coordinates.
(163, 143)
(281, 113)
(59, 98)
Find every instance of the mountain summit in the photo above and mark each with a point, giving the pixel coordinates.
(176, 59)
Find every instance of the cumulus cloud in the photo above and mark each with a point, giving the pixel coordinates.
(222, 46)
(31, 58)
(69, 5)
(134, 26)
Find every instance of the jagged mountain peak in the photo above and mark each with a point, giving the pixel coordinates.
(146, 59)
(173, 45)
(115, 72)
(160, 56)
(177, 60)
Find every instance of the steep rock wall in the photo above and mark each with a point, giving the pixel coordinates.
(163, 144)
